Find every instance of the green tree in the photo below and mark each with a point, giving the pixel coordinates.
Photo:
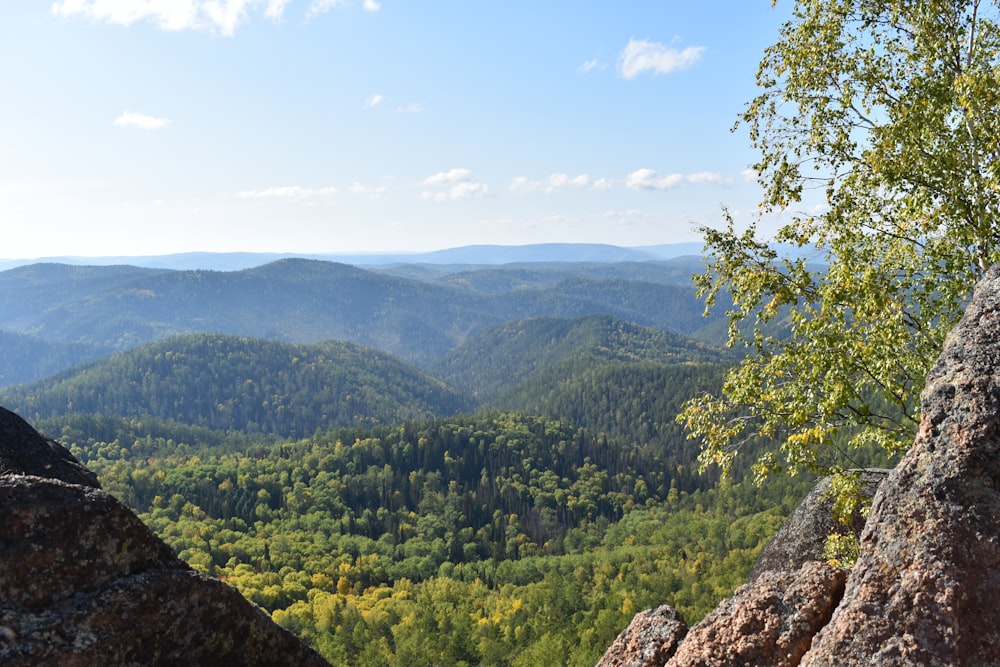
(891, 110)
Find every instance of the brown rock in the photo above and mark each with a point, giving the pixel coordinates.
(648, 641)
(926, 589)
(84, 582)
(770, 622)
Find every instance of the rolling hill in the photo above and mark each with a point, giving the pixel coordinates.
(230, 383)
(547, 350)
(305, 301)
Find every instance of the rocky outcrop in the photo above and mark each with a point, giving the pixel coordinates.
(926, 587)
(802, 537)
(84, 582)
(650, 639)
(24, 451)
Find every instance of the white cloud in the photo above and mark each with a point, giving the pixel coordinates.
(524, 185)
(295, 192)
(130, 119)
(373, 101)
(705, 178)
(450, 176)
(749, 175)
(556, 182)
(590, 66)
(275, 9)
(323, 6)
(563, 181)
(642, 55)
(221, 15)
(647, 179)
(459, 186)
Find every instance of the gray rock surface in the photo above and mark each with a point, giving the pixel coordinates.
(84, 582)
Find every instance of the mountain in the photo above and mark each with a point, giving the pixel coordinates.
(229, 383)
(524, 275)
(476, 254)
(306, 301)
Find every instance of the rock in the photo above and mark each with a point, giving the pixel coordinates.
(769, 622)
(84, 582)
(803, 536)
(649, 641)
(23, 450)
(926, 588)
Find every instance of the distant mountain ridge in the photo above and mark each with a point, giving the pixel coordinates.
(305, 301)
(473, 254)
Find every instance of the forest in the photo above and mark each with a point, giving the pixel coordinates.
(499, 539)
(510, 495)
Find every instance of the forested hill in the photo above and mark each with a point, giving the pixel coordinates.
(597, 371)
(231, 383)
(308, 301)
(515, 355)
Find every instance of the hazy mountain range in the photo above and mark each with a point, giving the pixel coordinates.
(61, 315)
(471, 255)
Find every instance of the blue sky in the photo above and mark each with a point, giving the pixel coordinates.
(146, 127)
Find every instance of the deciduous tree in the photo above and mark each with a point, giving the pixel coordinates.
(889, 112)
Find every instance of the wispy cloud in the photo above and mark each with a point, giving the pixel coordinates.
(453, 185)
(644, 56)
(648, 179)
(130, 119)
(369, 191)
(590, 66)
(275, 9)
(292, 192)
(373, 101)
(372, 6)
(556, 182)
(410, 108)
(323, 6)
(630, 217)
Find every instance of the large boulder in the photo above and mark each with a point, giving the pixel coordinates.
(84, 582)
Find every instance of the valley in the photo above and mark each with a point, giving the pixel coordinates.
(479, 459)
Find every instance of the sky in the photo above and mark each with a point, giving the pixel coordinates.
(152, 127)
